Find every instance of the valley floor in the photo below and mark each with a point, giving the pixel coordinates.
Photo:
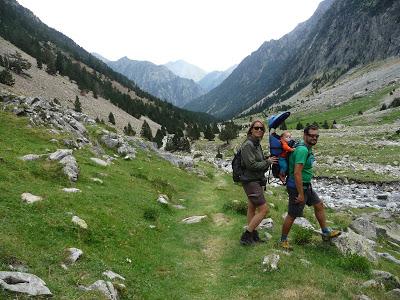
(132, 234)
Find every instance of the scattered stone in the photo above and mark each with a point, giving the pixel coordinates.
(71, 190)
(78, 221)
(163, 199)
(23, 283)
(31, 157)
(267, 236)
(302, 222)
(267, 223)
(305, 262)
(111, 275)
(70, 167)
(364, 227)
(353, 243)
(382, 196)
(270, 262)
(60, 154)
(395, 293)
(152, 226)
(73, 255)
(373, 284)
(105, 287)
(178, 206)
(362, 297)
(193, 219)
(29, 198)
(386, 278)
(98, 180)
(389, 257)
(99, 161)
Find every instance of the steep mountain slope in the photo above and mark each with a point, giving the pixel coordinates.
(213, 79)
(340, 35)
(158, 80)
(183, 69)
(60, 56)
(99, 56)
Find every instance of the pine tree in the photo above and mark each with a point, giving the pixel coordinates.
(208, 134)
(128, 130)
(299, 126)
(111, 118)
(146, 131)
(77, 105)
(229, 132)
(39, 63)
(6, 78)
(158, 138)
(325, 125)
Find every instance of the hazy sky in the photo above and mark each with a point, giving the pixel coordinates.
(212, 34)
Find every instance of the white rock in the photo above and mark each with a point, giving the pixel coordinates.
(29, 198)
(270, 262)
(111, 275)
(30, 157)
(193, 219)
(98, 180)
(60, 154)
(305, 262)
(99, 161)
(105, 287)
(74, 254)
(23, 283)
(267, 223)
(78, 221)
(178, 206)
(163, 199)
(71, 190)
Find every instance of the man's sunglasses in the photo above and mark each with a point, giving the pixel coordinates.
(315, 136)
(258, 128)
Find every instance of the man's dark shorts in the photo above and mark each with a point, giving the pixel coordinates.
(255, 192)
(310, 198)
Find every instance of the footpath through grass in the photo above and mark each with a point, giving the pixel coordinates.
(171, 260)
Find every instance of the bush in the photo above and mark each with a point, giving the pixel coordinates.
(151, 214)
(383, 107)
(6, 78)
(356, 263)
(395, 103)
(237, 206)
(301, 236)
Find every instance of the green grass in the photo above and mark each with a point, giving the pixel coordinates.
(170, 261)
(344, 112)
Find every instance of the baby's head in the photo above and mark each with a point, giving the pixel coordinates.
(287, 135)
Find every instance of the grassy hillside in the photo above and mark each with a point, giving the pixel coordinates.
(170, 261)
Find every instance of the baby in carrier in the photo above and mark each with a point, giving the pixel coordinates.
(285, 140)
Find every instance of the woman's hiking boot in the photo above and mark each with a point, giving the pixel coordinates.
(247, 238)
(330, 235)
(256, 237)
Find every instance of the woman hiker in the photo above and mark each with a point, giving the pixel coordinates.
(255, 164)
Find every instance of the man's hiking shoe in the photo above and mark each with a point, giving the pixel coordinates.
(332, 234)
(247, 238)
(285, 245)
(256, 237)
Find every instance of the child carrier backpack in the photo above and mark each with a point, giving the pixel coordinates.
(275, 146)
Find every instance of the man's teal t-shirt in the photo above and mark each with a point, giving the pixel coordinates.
(302, 155)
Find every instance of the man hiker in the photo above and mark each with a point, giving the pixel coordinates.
(300, 190)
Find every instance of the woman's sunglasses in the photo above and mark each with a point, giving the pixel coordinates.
(258, 128)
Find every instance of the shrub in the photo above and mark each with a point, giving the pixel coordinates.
(6, 78)
(356, 263)
(237, 206)
(151, 214)
(383, 107)
(395, 102)
(301, 236)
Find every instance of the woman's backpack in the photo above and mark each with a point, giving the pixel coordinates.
(237, 169)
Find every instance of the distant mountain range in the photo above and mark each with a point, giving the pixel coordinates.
(214, 79)
(158, 80)
(186, 70)
(340, 35)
